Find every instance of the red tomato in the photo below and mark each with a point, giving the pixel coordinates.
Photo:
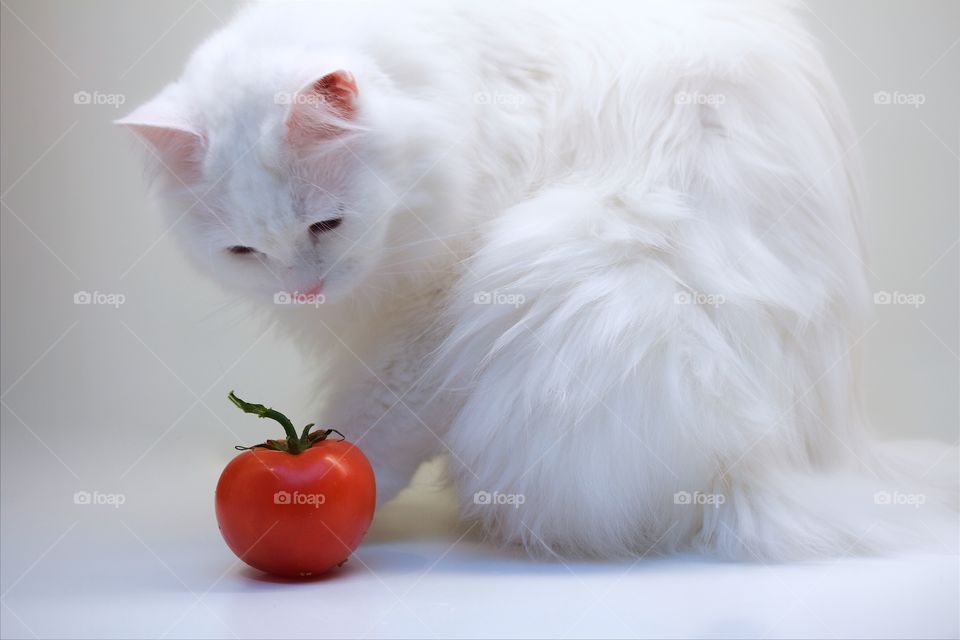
(295, 507)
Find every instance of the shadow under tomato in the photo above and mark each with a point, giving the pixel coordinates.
(257, 576)
(367, 559)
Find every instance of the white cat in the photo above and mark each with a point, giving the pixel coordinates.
(606, 259)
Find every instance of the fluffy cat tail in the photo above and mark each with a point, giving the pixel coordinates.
(905, 499)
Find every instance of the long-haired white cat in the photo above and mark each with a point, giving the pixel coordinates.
(605, 259)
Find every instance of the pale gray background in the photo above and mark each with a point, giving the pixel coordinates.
(131, 400)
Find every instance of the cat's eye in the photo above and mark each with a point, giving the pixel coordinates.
(318, 228)
(240, 250)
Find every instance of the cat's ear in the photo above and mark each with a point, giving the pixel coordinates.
(164, 124)
(323, 108)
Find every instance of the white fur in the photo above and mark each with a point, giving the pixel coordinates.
(671, 188)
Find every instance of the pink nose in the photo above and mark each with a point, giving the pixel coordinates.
(314, 290)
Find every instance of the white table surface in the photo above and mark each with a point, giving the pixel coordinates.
(152, 573)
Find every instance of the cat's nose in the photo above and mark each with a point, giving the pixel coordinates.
(314, 290)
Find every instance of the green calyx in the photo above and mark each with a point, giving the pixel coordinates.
(293, 443)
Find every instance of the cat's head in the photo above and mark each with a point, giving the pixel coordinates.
(284, 182)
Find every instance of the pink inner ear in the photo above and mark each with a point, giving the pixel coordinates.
(177, 143)
(338, 90)
(321, 108)
(180, 151)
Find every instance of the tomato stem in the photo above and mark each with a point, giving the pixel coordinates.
(293, 443)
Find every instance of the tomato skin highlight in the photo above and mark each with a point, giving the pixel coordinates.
(296, 514)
